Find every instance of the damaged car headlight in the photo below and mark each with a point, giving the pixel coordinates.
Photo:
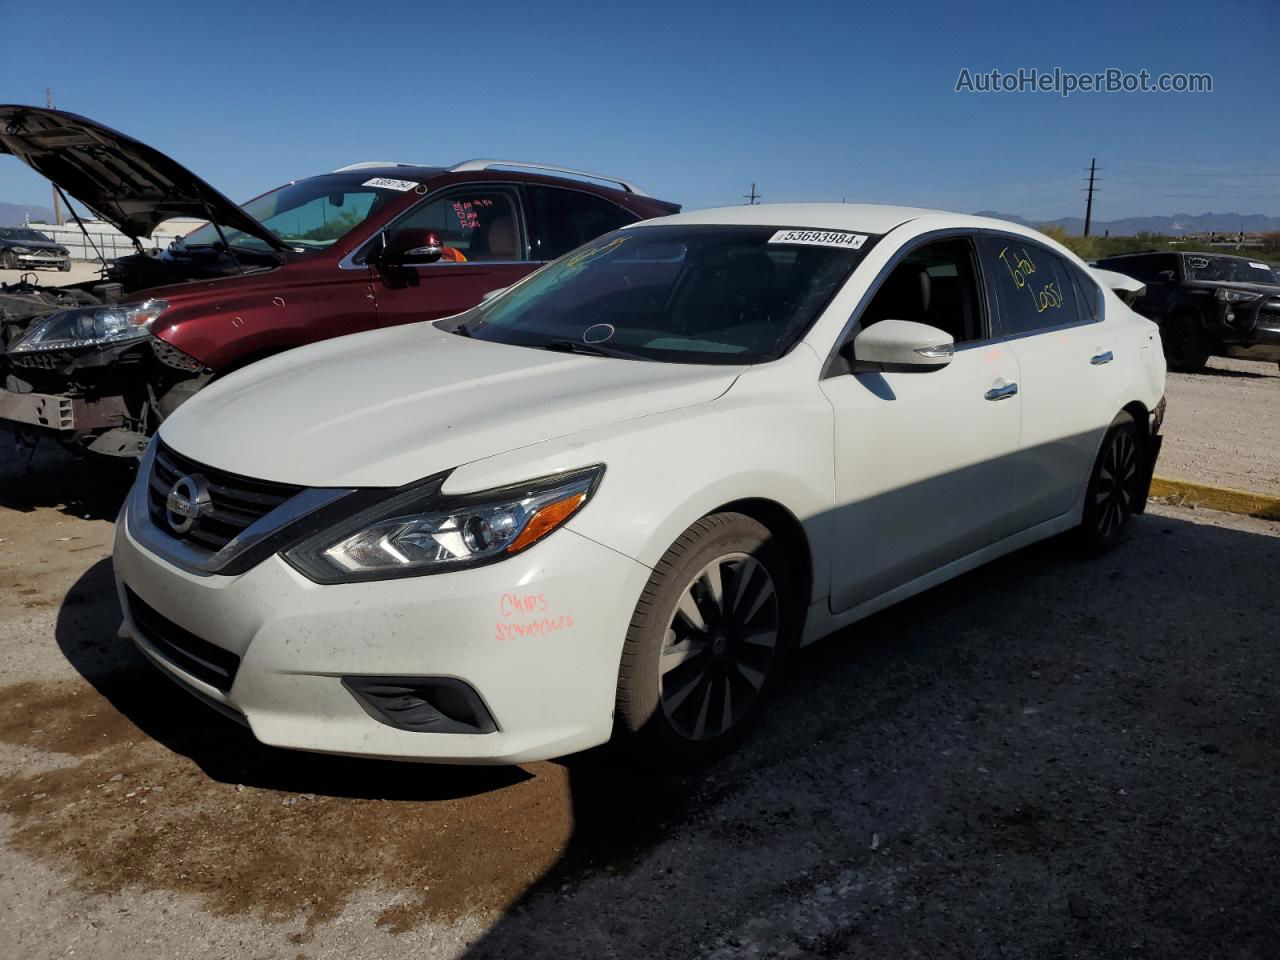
(421, 531)
(1224, 295)
(91, 327)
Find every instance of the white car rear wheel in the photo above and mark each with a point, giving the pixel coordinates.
(1114, 486)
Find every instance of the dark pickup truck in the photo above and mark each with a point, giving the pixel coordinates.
(1207, 304)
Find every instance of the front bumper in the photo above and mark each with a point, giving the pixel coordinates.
(538, 637)
(1263, 343)
(41, 260)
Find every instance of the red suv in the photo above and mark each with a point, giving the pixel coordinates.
(369, 245)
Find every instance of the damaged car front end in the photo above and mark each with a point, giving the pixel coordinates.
(91, 373)
(100, 364)
(81, 362)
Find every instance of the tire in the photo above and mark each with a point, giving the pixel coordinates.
(64, 266)
(1109, 504)
(8, 260)
(1186, 346)
(695, 673)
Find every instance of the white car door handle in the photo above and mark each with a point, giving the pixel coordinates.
(1105, 357)
(1002, 393)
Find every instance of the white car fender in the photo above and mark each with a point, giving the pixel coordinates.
(760, 440)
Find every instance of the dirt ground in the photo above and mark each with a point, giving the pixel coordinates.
(1049, 757)
(1223, 426)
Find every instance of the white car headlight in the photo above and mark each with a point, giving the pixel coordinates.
(20, 249)
(1234, 296)
(420, 531)
(91, 327)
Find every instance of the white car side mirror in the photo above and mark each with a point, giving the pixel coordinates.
(493, 293)
(902, 344)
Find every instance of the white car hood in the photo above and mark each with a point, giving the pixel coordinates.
(391, 406)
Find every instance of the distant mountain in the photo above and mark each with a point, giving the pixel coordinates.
(1179, 224)
(13, 214)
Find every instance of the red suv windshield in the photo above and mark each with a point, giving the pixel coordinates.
(310, 214)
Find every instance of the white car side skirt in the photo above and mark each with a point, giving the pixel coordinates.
(822, 622)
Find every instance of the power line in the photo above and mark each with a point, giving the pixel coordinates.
(1134, 182)
(1175, 170)
(1185, 196)
(1194, 186)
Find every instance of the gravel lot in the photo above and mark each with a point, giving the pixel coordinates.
(1223, 426)
(79, 272)
(1049, 757)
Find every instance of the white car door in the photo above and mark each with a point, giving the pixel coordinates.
(923, 459)
(1069, 384)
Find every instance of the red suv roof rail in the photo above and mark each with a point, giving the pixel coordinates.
(488, 164)
(372, 164)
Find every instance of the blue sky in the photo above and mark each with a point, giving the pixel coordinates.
(693, 100)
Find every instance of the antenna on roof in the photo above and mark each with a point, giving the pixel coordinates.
(752, 198)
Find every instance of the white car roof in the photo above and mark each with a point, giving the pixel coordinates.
(860, 217)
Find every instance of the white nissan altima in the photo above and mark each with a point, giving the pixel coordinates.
(612, 499)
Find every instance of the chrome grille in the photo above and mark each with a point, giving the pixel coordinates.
(235, 502)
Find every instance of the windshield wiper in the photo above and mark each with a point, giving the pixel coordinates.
(590, 349)
(460, 328)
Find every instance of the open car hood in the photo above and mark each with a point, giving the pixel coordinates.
(132, 186)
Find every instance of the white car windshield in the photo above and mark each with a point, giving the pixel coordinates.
(682, 294)
(22, 233)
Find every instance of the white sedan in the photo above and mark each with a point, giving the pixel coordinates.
(611, 500)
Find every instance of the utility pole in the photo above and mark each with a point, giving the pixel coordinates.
(1088, 204)
(752, 198)
(57, 209)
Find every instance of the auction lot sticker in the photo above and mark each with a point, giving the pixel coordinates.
(388, 184)
(820, 238)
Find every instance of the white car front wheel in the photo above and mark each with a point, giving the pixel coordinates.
(707, 642)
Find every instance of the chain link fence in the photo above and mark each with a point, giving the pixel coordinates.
(110, 243)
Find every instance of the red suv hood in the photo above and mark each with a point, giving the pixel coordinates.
(132, 186)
